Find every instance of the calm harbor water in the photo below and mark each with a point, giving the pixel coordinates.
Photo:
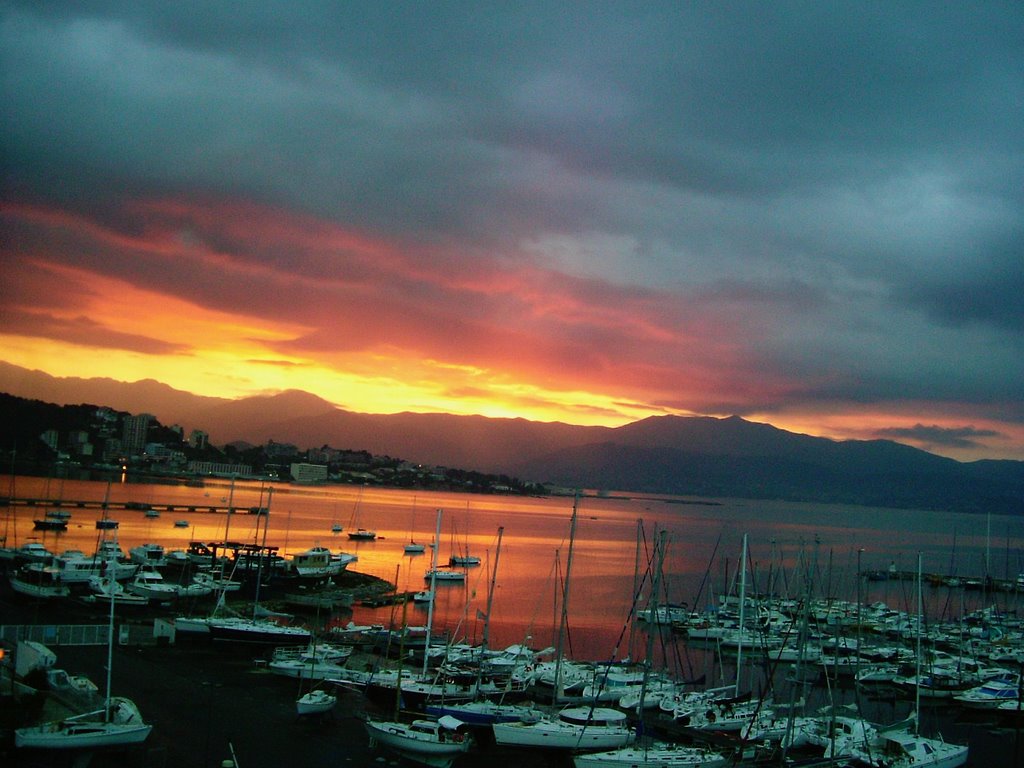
(704, 545)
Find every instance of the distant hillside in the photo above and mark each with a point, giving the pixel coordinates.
(666, 454)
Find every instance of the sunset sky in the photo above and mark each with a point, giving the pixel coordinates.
(808, 214)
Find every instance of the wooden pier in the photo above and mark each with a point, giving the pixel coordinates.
(129, 506)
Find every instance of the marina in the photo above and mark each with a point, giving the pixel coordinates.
(703, 638)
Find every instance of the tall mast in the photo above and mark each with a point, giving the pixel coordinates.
(110, 653)
(490, 592)
(743, 605)
(655, 625)
(263, 548)
(565, 601)
(920, 623)
(433, 592)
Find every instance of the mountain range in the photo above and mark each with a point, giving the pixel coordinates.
(699, 456)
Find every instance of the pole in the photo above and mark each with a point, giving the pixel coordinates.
(743, 605)
(263, 547)
(110, 653)
(557, 693)
(433, 591)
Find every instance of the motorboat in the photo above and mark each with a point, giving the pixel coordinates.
(362, 534)
(149, 583)
(316, 662)
(989, 695)
(435, 743)
(41, 583)
(148, 554)
(315, 702)
(181, 523)
(76, 567)
(578, 728)
(52, 521)
(29, 552)
(318, 562)
(444, 574)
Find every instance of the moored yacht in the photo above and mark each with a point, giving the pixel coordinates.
(579, 728)
(148, 554)
(436, 743)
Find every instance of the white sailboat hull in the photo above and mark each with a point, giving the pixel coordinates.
(436, 748)
(123, 729)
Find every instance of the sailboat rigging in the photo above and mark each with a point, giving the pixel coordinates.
(121, 722)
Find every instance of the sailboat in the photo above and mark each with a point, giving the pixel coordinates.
(315, 701)
(652, 754)
(461, 556)
(901, 745)
(106, 523)
(119, 723)
(435, 743)
(239, 628)
(358, 533)
(414, 547)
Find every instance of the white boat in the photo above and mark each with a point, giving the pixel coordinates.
(989, 695)
(436, 743)
(413, 548)
(148, 554)
(337, 528)
(444, 574)
(319, 562)
(150, 584)
(485, 712)
(181, 523)
(78, 568)
(319, 662)
(152, 513)
(41, 583)
(216, 582)
(29, 552)
(121, 724)
(316, 702)
(193, 589)
(655, 755)
(901, 749)
(579, 728)
(103, 588)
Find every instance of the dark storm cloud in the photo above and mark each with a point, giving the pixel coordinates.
(842, 183)
(965, 437)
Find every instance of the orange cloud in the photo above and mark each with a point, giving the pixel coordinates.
(230, 297)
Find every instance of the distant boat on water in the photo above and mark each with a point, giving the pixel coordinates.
(362, 534)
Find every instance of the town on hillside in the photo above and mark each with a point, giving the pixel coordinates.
(87, 440)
